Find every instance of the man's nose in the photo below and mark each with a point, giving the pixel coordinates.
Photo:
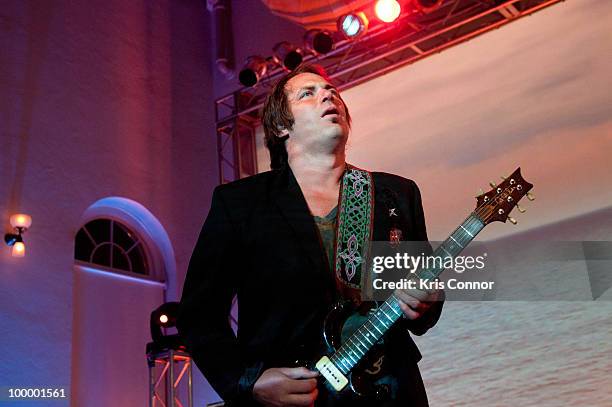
(326, 95)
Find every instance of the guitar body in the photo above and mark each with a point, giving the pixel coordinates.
(369, 379)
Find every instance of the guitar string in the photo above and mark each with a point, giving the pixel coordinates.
(474, 219)
(342, 354)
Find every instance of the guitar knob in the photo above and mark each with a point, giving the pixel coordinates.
(512, 220)
(480, 193)
(382, 392)
(530, 196)
(520, 208)
(493, 184)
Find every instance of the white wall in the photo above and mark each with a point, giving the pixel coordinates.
(534, 93)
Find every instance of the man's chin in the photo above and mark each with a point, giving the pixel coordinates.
(338, 126)
(338, 139)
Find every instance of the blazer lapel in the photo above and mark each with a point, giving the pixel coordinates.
(382, 223)
(289, 199)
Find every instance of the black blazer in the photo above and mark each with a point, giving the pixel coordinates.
(260, 242)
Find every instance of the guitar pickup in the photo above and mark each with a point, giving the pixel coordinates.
(331, 373)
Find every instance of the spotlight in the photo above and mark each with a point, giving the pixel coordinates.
(318, 41)
(427, 6)
(353, 25)
(20, 222)
(287, 55)
(387, 10)
(164, 317)
(253, 71)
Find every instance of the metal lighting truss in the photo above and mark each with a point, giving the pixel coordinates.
(384, 48)
(165, 389)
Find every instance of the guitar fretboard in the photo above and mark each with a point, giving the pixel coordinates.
(379, 322)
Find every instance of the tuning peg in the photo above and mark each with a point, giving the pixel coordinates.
(520, 209)
(493, 184)
(530, 196)
(512, 220)
(480, 192)
(502, 177)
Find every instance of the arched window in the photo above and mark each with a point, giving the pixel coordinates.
(120, 235)
(113, 246)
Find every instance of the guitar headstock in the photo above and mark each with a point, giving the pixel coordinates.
(497, 203)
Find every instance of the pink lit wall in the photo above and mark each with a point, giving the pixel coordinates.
(97, 99)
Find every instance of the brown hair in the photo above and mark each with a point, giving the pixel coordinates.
(277, 115)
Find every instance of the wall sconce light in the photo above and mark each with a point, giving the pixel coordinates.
(20, 222)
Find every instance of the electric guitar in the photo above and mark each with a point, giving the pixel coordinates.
(352, 337)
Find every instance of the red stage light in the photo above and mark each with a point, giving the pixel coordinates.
(387, 10)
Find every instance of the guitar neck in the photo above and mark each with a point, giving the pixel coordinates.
(381, 320)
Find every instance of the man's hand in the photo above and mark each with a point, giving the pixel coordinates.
(286, 387)
(414, 303)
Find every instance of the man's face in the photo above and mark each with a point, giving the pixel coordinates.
(319, 114)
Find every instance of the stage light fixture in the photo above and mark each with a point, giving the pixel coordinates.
(254, 69)
(20, 222)
(353, 25)
(427, 6)
(387, 10)
(287, 55)
(318, 41)
(164, 317)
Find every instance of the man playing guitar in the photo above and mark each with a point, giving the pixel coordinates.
(273, 240)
